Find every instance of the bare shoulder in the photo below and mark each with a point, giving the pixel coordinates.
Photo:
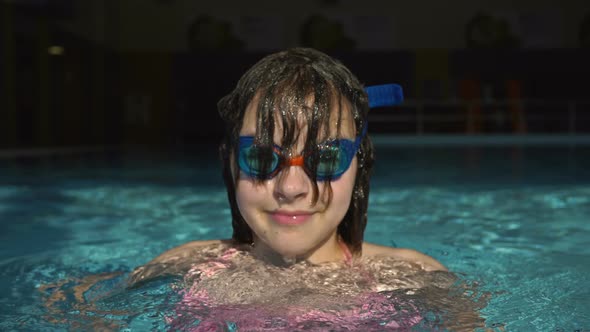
(410, 255)
(185, 249)
(173, 261)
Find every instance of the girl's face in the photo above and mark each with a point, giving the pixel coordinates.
(280, 211)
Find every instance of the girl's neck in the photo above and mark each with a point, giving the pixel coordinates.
(333, 250)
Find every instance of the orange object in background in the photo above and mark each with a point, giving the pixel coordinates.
(470, 92)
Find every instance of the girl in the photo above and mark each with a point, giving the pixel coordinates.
(296, 164)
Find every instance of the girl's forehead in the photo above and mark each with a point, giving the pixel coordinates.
(341, 120)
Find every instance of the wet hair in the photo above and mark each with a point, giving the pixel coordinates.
(299, 86)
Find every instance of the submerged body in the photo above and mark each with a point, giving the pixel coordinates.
(224, 283)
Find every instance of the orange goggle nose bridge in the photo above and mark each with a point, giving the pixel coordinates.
(295, 161)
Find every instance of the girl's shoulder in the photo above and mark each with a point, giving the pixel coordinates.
(185, 249)
(411, 255)
(178, 260)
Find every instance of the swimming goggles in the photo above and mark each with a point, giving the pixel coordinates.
(332, 157)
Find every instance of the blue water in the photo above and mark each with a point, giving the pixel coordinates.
(512, 221)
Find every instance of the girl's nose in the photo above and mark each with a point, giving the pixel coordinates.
(291, 184)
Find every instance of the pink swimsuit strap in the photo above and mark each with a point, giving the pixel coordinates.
(346, 252)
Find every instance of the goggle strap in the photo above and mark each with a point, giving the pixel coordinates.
(357, 141)
(384, 95)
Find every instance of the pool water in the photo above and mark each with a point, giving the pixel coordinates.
(511, 222)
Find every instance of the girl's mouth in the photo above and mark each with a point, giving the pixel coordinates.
(290, 218)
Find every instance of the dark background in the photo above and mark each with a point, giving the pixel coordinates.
(87, 73)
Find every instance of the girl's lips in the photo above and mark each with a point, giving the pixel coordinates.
(290, 217)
